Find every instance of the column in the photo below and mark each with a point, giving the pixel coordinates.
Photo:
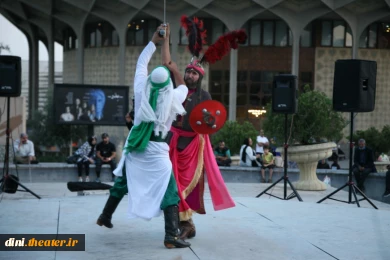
(80, 55)
(175, 28)
(295, 53)
(233, 86)
(33, 72)
(122, 55)
(50, 42)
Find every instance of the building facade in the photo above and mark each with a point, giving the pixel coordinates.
(103, 39)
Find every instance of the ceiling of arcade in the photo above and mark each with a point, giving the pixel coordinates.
(37, 15)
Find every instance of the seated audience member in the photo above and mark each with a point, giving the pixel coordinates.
(333, 157)
(105, 154)
(24, 150)
(323, 164)
(335, 165)
(387, 189)
(222, 154)
(248, 157)
(268, 163)
(363, 163)
(87, 153)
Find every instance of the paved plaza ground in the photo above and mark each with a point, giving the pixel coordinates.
(257, 228)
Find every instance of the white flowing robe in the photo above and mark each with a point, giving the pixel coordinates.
(147, 172)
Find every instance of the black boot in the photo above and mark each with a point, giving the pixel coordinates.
(187, 229)
(172, 239)
(105, 217)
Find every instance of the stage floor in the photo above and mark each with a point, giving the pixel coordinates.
(257, 228)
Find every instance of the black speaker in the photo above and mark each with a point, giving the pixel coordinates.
(284, 94)
(10, 76)
(354, 85)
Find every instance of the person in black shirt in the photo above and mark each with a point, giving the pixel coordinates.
(222, 154)
(335, 164)
(105, 154)
(323, 164)
(129, 119)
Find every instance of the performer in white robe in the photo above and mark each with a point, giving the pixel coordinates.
(151, 184)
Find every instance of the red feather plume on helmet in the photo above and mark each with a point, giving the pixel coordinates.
(196, 34)
(196, 38)
(222, 46)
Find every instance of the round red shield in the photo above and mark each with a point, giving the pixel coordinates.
(208, 117)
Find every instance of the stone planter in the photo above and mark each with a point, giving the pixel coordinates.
(381, 166)
(307, 157)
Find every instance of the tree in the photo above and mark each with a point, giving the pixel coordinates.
(315, 120)
(377, 140)
(233, 134)
(4, 47)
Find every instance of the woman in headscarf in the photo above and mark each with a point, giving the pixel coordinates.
(87, 154)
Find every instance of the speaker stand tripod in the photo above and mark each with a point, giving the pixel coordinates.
(350, 184)
(7, 178)
(284, 177)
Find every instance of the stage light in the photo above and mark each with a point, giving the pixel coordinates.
(257, 112)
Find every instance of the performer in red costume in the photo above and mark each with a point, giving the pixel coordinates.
(192, 154)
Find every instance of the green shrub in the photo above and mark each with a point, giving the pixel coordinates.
(376, 140)
(52, 158)
(315, 120)
(233, 134)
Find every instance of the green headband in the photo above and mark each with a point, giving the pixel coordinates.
(163, 84)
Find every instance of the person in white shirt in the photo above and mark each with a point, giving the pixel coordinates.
(261, 141)
(247, 155)
(24, 150)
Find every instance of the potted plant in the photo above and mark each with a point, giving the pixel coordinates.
(312, 133)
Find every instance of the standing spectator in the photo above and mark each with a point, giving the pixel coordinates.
(105, 154)
(387, 190)
(323, 164)
(129, 117)
(268, 163)
(24, 150)
(363, 163)
(222, 155)
(87, 153)
(247, 155)
(261, 141)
